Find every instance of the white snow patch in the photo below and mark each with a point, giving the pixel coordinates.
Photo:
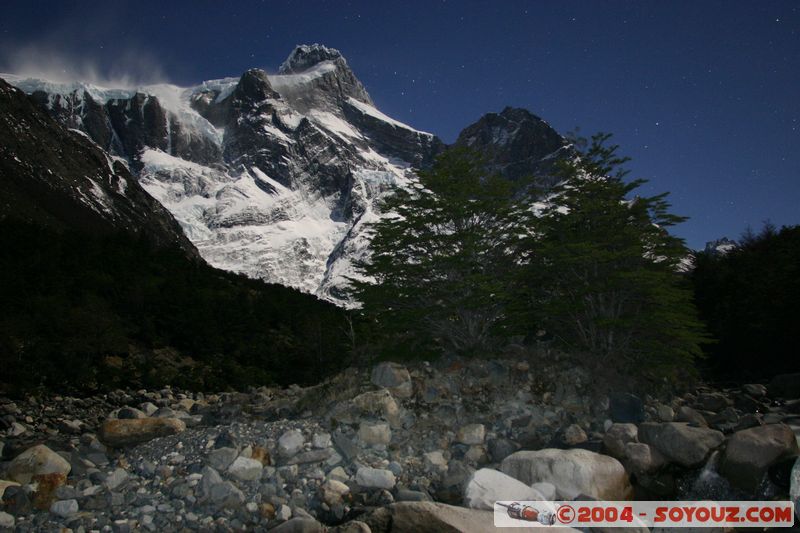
(293, 82)
(373, 112)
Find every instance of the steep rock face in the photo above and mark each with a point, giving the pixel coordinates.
(391, 137)
(60, 178)
(517, 144)
(123, 122)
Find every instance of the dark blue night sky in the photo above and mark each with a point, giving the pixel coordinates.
(705, 96)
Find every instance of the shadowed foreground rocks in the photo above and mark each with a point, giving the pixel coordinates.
(423, 447)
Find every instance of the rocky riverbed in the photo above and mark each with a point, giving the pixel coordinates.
(424, 447)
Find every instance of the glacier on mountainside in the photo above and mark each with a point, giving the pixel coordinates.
(271, 176)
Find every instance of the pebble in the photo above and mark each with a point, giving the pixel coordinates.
(64, 508)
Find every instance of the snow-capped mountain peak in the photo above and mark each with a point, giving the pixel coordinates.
(305, 56)
(275, 176)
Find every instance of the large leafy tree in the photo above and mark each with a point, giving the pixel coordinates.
(438, 275)
(603, 272)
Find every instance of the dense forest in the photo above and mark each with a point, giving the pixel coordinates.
(750, 299)
(81, 311)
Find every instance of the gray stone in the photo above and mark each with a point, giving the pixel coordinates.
(617, 436)
(148, 408)
(547, 490)
(226, 495)
(641, 458)
(290, 443)
(245, 469)
(749, 453)
(16, 501)
(435, 460)
(679, 443)
(665, 413)
(380, 403)
(6, 520)
(431, 517)
(375, 478)
(210, 477)
(574, 435)
(487, 486)
(283, 513)
(394, 377)
(64, 508)
(573, 472)
(471, 434)
(345, 445)
(756, 390)
(311, 456)
(221, 458)
(687, 414)
(338, 474)
(332, 491)
(321, 440)
(712, 401)
(5, 484)
(373, 434)
(128, 413)
(501, 448)
(116, 479)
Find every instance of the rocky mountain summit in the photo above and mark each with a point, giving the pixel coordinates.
(275, 176)
(427, 447)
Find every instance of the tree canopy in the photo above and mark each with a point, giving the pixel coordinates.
(462, 261)
(439, 269)
(604, 272)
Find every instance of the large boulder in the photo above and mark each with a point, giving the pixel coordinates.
(573, 472)
(128, 432)
(487, 486)
(680, 443)
(750, 452)
(36, 462)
